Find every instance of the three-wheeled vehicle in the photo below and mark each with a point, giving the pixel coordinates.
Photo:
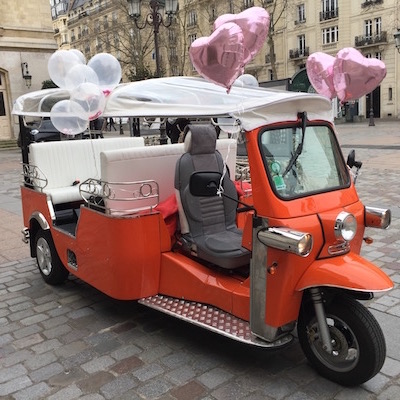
(168, 226)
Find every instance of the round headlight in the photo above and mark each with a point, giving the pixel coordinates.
(345, 226)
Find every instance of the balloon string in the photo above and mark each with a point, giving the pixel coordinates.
(93, 153)
(220, 189)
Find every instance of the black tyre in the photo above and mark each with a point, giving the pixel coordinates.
(359, 348)
(49, 263)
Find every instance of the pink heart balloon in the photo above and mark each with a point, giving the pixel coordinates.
(219, 57)
(320, 73)
(355, 75)
(255, 25)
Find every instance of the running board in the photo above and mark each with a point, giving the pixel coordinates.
(211, 318)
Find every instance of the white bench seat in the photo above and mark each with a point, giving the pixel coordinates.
(64, 163)
(155, 163)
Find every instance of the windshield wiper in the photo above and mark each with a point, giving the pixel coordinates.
(299, 148)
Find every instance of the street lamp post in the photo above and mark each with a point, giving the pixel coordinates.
(371, 109)
(154, 19)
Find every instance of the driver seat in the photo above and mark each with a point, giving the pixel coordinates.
(208, 224)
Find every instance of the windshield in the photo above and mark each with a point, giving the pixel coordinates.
(299, 165)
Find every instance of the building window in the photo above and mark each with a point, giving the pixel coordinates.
(192, 38)
(301, 13)
(192, 18)
(378, 25)
(271, 75)
(368, 28)
(248, 3)
(301, 44)
(329, 10)
(377, 55)
(330, 35)
(329, 5)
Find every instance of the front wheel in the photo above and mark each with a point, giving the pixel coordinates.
(50, 266)
(358, 344)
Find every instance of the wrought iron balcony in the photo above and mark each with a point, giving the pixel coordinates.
(299, 53)
(361, 41)
(330, 14)
(369, 3)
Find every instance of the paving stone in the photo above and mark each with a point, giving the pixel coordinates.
(67, 377)
(28, 341)
(98, 364)
(391, 367)
(94, 382)
(43, 374)
(154, 389)
(15, 357)
(46, 346)
(78, 359)
(35, 392)
(68, 393)
(148, 372)
(390, 393)
(27, 331)
(125, 352)
(117, 387)
(14, 385)
(126, 365)
(40, 360)
(71, 349)
(181, 375)
(190, 391)
(12, 373)
(215, 377)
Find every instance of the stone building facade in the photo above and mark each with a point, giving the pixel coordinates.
(26, 43)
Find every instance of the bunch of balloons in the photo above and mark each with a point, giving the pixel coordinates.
(221, 57)
(89, 85)
(347, 76)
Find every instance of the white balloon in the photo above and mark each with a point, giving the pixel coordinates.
(66, 117)
(108, 70)
(80, 55)
(59, 64)
(80, 74)
(91, 99)
(246, 80)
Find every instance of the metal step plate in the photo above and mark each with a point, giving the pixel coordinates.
(210, 318)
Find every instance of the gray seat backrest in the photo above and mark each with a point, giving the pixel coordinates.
(213, 234)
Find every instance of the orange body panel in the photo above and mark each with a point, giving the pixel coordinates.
(185, 278)
(348, 271)
(119, 256)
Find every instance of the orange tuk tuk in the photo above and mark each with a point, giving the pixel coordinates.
(251, 257)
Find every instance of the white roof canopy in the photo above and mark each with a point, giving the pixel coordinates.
(191, 97)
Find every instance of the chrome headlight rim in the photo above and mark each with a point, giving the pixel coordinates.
(345, 226)
(286, 239)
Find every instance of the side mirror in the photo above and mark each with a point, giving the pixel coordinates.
(351, 160)
(204, 184)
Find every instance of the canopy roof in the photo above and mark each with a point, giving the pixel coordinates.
(191, 97)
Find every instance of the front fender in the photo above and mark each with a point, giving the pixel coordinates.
(349, 271)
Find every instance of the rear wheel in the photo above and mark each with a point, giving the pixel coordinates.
(358, 344)
(49, 263)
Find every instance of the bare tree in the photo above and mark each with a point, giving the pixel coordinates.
(277, 10)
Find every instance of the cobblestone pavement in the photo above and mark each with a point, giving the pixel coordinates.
(73, 342)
